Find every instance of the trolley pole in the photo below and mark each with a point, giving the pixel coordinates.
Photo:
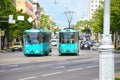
(69, 15)
(106, 55)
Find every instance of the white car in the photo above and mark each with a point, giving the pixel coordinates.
(54, 42)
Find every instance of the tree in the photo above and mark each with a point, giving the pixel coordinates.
(47, 23)
(115, 20)
(97, 19)
(12, 30)
(96, 23)
(19, 26)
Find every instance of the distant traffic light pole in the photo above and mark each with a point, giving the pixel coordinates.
(69, 15)
(106, 56)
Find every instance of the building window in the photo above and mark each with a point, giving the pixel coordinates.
(91, 9)
(92, 5)
(96, 5)
(92, 1)
(96, 1)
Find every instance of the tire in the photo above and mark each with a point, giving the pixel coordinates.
(13, 50)
(27, 55)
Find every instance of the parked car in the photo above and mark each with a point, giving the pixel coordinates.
(54, 42)
(95, 46)
(16, 46)
(84, 45)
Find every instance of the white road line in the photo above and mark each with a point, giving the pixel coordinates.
(59, 67)
(84, 60)
(28, 78)
(21, 68)
(49, 74)
(74, 69)
(45, 65)
(64, 63)
(13, 65)
(92, 66)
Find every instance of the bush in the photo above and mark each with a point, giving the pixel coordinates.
(118, 49)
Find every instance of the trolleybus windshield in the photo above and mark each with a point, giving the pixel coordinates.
(68, 37)
(33, 37)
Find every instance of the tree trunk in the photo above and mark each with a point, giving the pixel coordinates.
(116, 39)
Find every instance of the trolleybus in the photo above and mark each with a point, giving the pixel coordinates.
(68, 41)
(37, 42)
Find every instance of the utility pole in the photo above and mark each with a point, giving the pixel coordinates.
(69, 15)
(106, 55)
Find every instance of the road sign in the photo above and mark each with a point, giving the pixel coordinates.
(11, 20)
(11, 17)
(30, 19)
(21, 18)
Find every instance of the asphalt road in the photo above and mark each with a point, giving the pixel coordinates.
(53, 67)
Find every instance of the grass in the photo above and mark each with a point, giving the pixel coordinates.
(117, 78)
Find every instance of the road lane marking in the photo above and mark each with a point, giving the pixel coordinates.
(13, 65)
(92, 66)
(85, 60)
(45, 65)
(64, 63)
(50, 74)
(74, 69)
(59, 67)
(21, 68)
(28, 78)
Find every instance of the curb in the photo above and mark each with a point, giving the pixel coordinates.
(3, 51)
(117, 75)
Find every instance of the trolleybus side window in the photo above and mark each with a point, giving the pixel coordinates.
(46, 37)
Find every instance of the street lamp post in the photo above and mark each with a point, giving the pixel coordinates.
(69, 15)
(106, 56)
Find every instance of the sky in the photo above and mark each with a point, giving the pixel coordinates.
(57, 10)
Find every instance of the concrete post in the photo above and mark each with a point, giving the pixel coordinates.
(106, 56)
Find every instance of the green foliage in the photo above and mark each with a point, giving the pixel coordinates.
(117, 78)
(12, 30)
(47, 23)
(115, 15)
(20, 26)
(97, 20)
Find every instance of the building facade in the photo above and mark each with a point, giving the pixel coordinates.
(25, 6)
(30, 7)
(20, 5)
(93, 5)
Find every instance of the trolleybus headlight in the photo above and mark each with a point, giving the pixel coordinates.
(37, 51)
(27, 51)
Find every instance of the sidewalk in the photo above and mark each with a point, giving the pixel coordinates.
(5, 50)
(117, 75)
